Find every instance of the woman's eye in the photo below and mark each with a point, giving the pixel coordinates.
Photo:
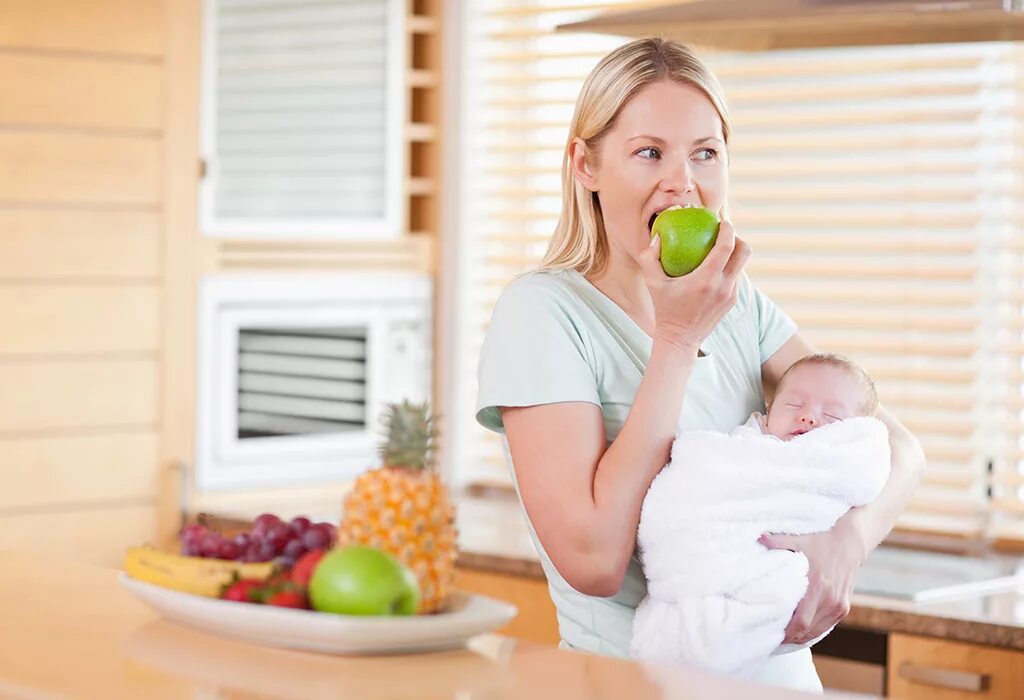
(652, 152)
(706, 154)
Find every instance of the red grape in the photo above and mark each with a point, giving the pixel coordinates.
(243, 539)
(294, 549)
(264, 522)
(278, 535)
(229, 550)
(299, 524)
(190, 533)
(210, 546)
(266, 551)
(316, 538)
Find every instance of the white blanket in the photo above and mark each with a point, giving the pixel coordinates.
(717, 598)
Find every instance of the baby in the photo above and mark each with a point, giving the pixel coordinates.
(817, 390)
(716, 598)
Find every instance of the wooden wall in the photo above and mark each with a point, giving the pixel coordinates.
(100, 255)
(81, 283)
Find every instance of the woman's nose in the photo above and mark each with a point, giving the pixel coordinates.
(678, 179)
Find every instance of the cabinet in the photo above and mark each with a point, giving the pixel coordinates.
(536, 620)
(924, 668)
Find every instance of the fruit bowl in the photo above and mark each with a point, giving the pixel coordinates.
(464, 616)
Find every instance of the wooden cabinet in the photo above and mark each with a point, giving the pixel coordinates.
(536, 620)
(936, 669)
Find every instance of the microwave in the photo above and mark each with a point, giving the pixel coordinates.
(294, 372)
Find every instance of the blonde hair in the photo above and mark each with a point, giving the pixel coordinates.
(869, 396)
(580, 241)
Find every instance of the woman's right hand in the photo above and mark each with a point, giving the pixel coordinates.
(687, 308)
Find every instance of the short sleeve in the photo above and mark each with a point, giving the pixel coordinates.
(774, 327)
(533, 353)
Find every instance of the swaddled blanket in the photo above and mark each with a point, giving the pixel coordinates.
(716, 598)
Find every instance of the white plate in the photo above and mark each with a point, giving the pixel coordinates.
(467, 615)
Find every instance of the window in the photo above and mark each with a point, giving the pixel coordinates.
(881, 189)
(302, 119)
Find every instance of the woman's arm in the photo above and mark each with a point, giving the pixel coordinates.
(836, 555)
(583, 500)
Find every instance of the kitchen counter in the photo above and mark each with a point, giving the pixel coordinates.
(493, 538)
(72, 631)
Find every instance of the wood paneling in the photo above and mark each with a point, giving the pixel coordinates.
(923, 668)
(51, 471)
(73, 394)
(108, 26)
(79, 319)
(73, 168)
(536, 620)
(79, 244)
(48, 90)
(97, 536)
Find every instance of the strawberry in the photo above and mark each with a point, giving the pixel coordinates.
(245, 590)
(303, 569)
(288, 599)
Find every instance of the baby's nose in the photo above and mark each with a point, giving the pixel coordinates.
(808, 419)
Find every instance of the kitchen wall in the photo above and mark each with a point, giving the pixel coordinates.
(82, 271)
(100, 255)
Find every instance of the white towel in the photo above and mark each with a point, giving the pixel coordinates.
(717, 599)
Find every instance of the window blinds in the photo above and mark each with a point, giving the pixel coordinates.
(880, 189)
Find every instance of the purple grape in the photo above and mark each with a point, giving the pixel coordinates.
(294, 549)
(192, 533)
(264, 522)
(299, 524)
(285, 562)
(278, 535)
(210, 545)
(251, 554)
(316, 538)
(243, 539)
(266, 551)
(190, 549)
(229, 550)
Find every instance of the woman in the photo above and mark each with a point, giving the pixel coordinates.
(591, 362)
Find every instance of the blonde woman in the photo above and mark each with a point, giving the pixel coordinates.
(590, 361)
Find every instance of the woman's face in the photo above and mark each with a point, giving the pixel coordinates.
(666, 148)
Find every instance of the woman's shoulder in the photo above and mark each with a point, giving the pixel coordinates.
(539, 291)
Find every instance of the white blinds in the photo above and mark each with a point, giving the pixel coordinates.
(880, 190)
(302, 118)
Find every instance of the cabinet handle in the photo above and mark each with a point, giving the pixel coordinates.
(944, 677)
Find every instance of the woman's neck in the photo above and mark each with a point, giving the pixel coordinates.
(622, 281)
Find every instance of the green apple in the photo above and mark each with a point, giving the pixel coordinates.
(687, 236)
(359, 580)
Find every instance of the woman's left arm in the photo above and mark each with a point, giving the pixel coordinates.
(836, 555)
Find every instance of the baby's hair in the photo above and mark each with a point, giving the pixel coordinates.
(870, 396)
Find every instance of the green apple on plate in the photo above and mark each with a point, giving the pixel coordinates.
(687, 236)
(359, 580)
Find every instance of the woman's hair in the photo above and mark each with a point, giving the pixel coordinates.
(580, 241)
(869, 396)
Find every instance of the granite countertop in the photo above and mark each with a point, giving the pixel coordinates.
(494, 537)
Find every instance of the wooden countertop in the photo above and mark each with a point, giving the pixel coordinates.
(72, 632)
(493, 537)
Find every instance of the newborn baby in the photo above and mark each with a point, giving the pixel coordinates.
(717, 598)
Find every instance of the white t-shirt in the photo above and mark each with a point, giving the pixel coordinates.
(554, 337)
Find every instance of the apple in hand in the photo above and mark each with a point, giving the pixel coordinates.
(360, 580)
(687, 236)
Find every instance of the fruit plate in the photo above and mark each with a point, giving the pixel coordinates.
(466, 615)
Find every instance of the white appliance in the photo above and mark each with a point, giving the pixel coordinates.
(294, 371)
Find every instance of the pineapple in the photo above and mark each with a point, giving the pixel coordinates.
(403, 508)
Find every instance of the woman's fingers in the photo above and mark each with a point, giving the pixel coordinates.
(723, 249)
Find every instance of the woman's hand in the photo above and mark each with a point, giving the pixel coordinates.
(834, 557)
(687, 308)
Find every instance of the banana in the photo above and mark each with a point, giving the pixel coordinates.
(195, 575)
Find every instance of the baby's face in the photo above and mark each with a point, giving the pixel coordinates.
(811, 396)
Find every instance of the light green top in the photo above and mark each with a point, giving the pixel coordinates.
(553, 338)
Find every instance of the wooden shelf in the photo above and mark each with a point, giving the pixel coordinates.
(420, 133)
(419, 78)
(420, 186)
(421, 24)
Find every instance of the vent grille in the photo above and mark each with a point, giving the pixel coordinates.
(300, 382)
